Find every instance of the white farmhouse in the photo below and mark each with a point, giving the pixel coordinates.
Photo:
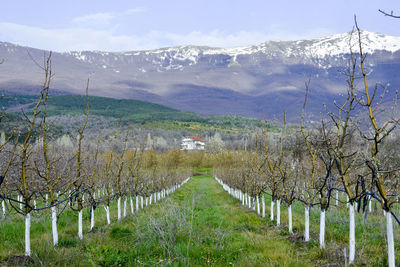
(193, 143)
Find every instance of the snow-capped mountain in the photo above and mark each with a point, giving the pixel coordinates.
(246, 81)
(302, 50)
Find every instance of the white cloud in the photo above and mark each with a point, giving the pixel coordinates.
(133, 11)
(84, 38)
(94, 19)
(102, 19)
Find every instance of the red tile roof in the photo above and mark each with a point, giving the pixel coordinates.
(197, 138)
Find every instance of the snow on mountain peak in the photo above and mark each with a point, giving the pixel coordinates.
(341, 43)
(335, 45)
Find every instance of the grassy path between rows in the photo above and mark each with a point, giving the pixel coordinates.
(198, 225)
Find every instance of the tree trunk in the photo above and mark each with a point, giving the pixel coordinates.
(131, 202)
(352, 245)
(80, 231)
(337, 198)
(272, 210)
(322, 229)
(54, 225)
(3, 205)
(263, 205)
(92, 218)
(20, 200)
(258, 205)
(137, 203)
(107, 208)
(390, 239)
(141, 202)
(278, 212)
(307, 224)
(369, 204)
(290, 218)
(119, 208)
(125, 207)
(28, 234)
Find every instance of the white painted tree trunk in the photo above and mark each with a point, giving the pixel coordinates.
(253, 201)
(54, 225)
(369, 204)
(92, 218)
(28, 234)
(119, 208)
(3, 206)
(258, 205)
(322, 229)
(337, 198)
(80, 230)
(131, 202)
(125, 207)
(141, 202)
(307, 224)
(245, 199)
(352, 238)
(137, 203)
(272, 210)
(263, 205)
(390, 239)
(151, 198)
(147, 200)
(290, 219)
(107, 208)
(278, 212)
(249, 201)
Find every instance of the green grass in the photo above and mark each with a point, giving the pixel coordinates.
(371, 247)
(198, 225)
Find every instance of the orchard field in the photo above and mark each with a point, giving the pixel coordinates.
(308, 194)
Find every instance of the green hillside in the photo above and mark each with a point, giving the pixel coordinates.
(147, 114)
(124, 109)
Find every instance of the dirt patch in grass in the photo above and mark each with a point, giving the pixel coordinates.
(20, 260)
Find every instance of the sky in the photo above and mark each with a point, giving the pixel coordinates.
(128, 25)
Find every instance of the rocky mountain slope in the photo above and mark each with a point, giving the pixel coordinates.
(249, 81)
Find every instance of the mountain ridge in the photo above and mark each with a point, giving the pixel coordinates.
(248, 81)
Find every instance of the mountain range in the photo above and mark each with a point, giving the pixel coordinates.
(254, 81)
